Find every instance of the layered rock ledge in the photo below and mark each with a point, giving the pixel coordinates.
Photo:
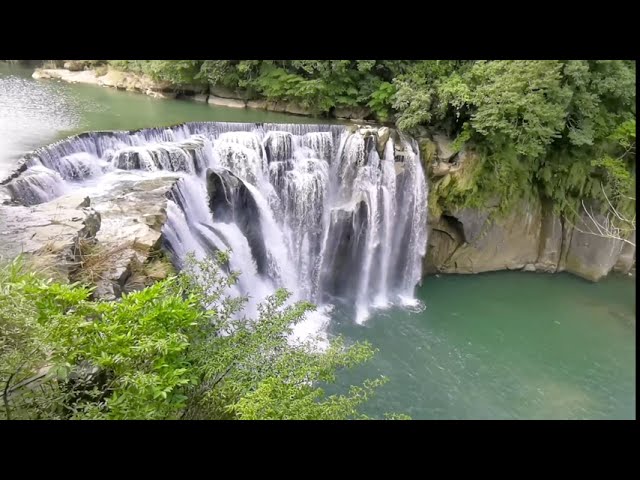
(110, 239)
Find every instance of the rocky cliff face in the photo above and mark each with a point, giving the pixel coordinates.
(529, 237)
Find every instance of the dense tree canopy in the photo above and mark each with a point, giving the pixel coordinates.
(542, 126)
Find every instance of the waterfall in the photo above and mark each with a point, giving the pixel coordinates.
(333, 214)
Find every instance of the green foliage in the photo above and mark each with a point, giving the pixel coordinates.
(518, 102)
(417, 100)
(22, 338)
(140, 344)
(381, 100)
(318, 85)
(546, 126)
(414, 103)
(176, 349)
(619, 171)
(179, 72)
(563, 129)
(253, 369)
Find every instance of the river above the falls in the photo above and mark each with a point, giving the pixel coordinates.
(34, 113)
(504, 345)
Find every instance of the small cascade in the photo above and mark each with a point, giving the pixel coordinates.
(38, 184)
(312, 208)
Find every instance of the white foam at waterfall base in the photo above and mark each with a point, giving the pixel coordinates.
(314, 327)
(295, 176)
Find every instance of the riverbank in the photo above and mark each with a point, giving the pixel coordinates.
(107, 76)
(35, 113)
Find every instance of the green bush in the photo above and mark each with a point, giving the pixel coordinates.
(176, 349)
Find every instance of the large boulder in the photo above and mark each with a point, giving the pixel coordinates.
(83, 76)
(136, 82)
(498, 243)
(444, 147)
(382, 139)
(112, 78)
(276, 106)
(225, 102)
(133, 213)
(257, 104)
(531, 236)
(223, 92)
(297, 109)
(591, 256)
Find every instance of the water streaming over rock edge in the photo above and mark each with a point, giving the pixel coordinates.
(332, 213)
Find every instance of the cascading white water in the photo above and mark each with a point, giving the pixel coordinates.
(329, 213)
(37, 185)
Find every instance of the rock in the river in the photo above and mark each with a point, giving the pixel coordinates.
(223, 92)
(297, 109)
(225, 102)
(75, 65)
(257, 104)
(84, 76)
(113, 78)
(381, 143)
(276, 106)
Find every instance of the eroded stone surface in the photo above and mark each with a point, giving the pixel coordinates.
(121, 226)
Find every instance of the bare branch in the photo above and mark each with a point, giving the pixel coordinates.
(613, 209)
(607, 228)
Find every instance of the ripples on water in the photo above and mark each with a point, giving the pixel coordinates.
(31, 114)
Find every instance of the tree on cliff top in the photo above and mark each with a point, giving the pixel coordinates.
(537, 124)
(618, 221)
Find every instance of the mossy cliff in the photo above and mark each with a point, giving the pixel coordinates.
(472, 230)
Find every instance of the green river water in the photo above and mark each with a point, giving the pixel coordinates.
(504, 345)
